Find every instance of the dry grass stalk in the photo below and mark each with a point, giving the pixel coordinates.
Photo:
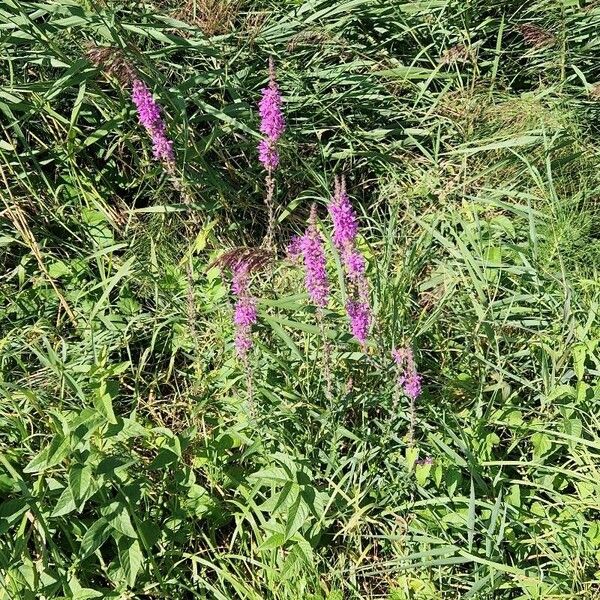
(256, 259)
(113, 62)
(212, 17)
(536, 36)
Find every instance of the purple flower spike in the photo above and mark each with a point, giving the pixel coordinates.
(345, 223)
(360, 320)
(149, 115)
(267, 154)
(313, 253)
(272, 122)
(408, 377)
(246, 313)
(345, 232)
(294, 248)
(355, 265)
(245, 316)
(162, 147)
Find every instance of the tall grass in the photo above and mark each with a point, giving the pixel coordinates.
(131, 463)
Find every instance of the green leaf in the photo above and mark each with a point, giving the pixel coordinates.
(131, 559)
(50, 456)
(98, 227)
(573, 427)
(297, 516)
(579, 354)
(412, 454)
(94, 537)
(514, 496)
(58, 269)
(12, 509)
(422, 472)
(274, 541)
(80, 483)
(103, 396)
(541, 445)
(65, 504)
(271, 475)
(117, 516)
(471, 518)
(87, 593)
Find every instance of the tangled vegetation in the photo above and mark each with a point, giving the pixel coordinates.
(421, 421)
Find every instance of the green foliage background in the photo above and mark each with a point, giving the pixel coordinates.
(131, 465)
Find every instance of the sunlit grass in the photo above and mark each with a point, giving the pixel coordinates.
(132, 464)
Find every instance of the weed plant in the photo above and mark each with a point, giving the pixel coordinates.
(147, 450)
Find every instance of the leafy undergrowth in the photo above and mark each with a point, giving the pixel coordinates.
(141, 459)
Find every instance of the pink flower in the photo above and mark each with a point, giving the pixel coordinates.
(272, 122)
(267, 154)
(313, 253)
(294, 248)
(149, 115)
(355, 265)
(408, 377)
(345, 223)
(345, 232)
(246, 313)
(360, 319)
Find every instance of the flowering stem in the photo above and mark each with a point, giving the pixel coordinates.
(345, 231)
(149, 115)
(412, 420)
(191, 302)
(272, 126)
(250, 388)
(409, 381)
(269, 241)
(326, 357)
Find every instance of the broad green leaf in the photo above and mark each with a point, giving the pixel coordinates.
(94, 537)
(412, 454)
(65, 504)
(422, 471)
(49, 456)
(13, 509)
(541, 445)
(131, 558)
(274, 541)
(297, 516)
(80, 482)
(117, 516)
(104, 392)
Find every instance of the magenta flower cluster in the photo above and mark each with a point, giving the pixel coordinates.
(272, 123)
(408, 377)
(360, 319)
(345, 231)
(246, 313)
(149, 115)
(310, 247)
(345, 222)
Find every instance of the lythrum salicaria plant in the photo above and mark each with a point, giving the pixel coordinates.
(272, 126)
(242, 262)
(245, 314)
(345, 231)
(408, 381)
(149, 115)
(311, 248)
(114, 62)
